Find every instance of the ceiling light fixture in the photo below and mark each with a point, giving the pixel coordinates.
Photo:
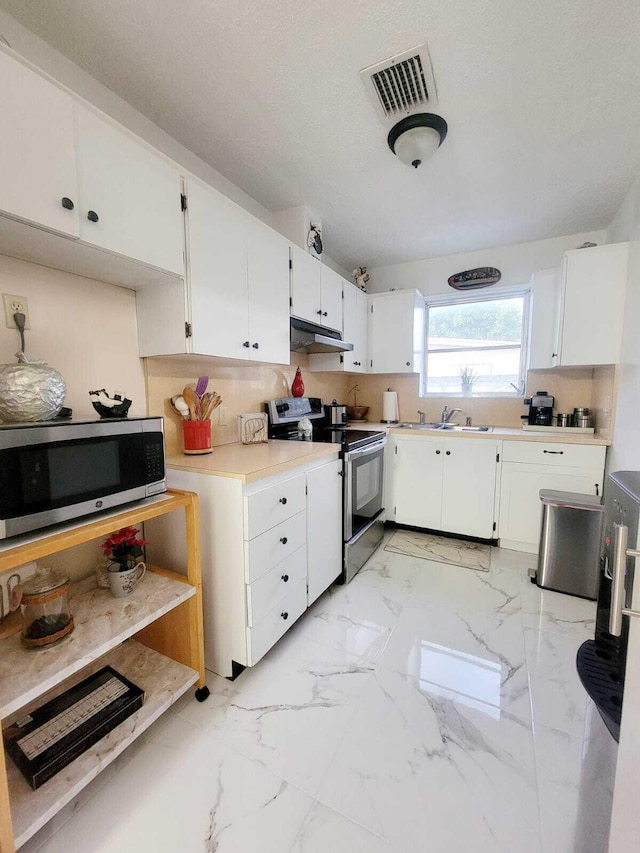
(416, 138)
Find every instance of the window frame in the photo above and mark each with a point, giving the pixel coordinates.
(472, 297)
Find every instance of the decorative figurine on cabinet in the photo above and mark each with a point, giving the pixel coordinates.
(361, 276)
(314, 239)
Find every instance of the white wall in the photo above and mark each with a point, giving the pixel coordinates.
(516, 263)
(625, 452)
(85, 329)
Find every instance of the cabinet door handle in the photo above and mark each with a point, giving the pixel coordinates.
(283, 501)
(597, 485)
(67, 203)
(285, 578)
(285, 615)
(554, 452)
(256, 345)
(319, 312)
(92, 216)
(246, 344)
(324, 314)
(448, 452)
(554, 355)
(284, 540)
(437, 453)
(408, 363)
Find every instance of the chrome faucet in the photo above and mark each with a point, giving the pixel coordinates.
(447, 414)
(421, 416)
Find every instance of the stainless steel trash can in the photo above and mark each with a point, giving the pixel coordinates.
(569, 556)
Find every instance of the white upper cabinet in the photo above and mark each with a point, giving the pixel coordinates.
(593, 295)
(236, 303)
(316, 291)
(331, 298)
(396, 331)
(128, 196)
(305, 286)
(544, 334)
(37, 153)
(218, 286)
(355, 318)
(268, 284)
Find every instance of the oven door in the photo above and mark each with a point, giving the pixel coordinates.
(364, 470)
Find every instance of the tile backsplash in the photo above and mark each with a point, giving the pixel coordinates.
(243, 388)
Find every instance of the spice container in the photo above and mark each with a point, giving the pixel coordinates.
(46, 616)
(563, 420)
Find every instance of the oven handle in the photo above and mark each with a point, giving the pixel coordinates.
(363, 451)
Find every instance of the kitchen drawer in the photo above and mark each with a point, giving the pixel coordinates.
(541, 453)
(268, 507)
(266, 592)
(261, 637)
(274, 546)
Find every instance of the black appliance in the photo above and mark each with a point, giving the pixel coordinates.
(540, 409)
(601, 662)
(362, 455)
(62, 470)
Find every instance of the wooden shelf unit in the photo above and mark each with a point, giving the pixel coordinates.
(154, 637)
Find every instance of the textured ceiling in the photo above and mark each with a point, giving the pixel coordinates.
(542, 101)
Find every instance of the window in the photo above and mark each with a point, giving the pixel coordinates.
(476, 345)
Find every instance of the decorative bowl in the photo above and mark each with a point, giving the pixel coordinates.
(357, 413)
(109, 407)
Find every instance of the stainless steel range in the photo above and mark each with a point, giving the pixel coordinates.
(362, 455)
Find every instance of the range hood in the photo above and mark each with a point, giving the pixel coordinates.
(308, 337)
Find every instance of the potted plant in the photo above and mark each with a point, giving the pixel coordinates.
(124, 548)
(467, 378)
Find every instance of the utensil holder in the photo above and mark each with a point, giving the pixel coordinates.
(197, 437)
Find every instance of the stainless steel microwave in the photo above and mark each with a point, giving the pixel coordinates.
(58, 471)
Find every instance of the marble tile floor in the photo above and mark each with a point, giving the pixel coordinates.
(424, 707)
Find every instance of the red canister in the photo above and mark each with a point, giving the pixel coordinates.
(197, 437)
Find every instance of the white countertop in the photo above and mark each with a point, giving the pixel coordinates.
(249, 462)
(497, 432)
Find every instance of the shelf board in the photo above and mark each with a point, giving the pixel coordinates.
(163, 680)
(22, 549)
(102, 622)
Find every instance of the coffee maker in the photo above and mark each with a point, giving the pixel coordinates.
(540, 409)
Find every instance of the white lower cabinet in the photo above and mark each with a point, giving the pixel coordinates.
(324, 527)
(529, 467)
(446, 484)
(269, 548)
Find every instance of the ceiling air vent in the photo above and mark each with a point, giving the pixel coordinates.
(403, 84)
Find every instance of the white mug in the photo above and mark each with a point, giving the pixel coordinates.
(122, 584)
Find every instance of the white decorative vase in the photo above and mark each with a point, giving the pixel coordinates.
(467, 389)
(122, 584)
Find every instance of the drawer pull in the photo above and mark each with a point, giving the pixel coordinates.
(285, 615)
(284, 540)
(555, 452)
(283, 501)
(285, 578)
(448, 452)
(437, 453)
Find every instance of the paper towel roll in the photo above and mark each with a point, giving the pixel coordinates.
(389, 407)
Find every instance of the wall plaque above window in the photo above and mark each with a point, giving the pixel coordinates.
(475, 279)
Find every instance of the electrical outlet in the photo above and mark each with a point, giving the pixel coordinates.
(223, 416)
(15, 305)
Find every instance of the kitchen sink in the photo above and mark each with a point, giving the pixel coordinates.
(416, 425)
(444, 427)
(459, 428)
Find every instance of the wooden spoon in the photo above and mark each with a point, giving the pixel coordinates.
(191, 399)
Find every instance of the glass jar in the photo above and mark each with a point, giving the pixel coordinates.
(46, 616)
